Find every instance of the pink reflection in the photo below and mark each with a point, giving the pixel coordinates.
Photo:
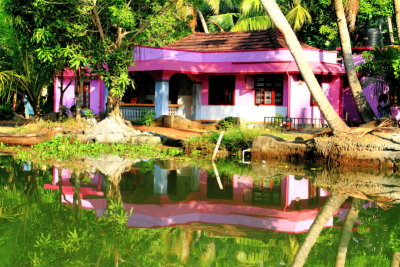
(289, 204)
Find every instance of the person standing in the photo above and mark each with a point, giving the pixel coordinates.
(28, 108)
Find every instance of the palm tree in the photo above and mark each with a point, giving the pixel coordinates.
(280, 22)
(251, 16)
(361, 102)
(397, 16)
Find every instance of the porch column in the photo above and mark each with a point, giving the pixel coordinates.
(160, 180)
(196, 101)
(161, 98)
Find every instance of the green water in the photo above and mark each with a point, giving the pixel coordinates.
(119, 212)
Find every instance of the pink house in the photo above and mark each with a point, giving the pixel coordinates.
(371, 92)
(207, 77)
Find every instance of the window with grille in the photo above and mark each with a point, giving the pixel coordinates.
(268, 89)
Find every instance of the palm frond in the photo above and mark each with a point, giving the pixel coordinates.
(214, 4)
(252, 24)
(298, 16)
(226, 21)
(250, 5)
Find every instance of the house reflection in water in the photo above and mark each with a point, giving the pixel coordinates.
(175, 196)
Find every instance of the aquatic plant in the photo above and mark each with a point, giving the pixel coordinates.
(63, 148)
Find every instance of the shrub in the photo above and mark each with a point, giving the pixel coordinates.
(228, 122)
(6, 112)
(234, 140)
(148, 117)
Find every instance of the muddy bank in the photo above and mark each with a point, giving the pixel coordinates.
(373, 150)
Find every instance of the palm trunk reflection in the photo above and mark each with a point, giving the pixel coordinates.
(331, 206)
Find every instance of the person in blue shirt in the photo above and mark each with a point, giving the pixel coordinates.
(28, 108)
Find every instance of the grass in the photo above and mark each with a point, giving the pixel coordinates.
(236, 139)
(41, 126)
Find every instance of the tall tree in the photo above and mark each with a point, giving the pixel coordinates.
(363, 106)
(396, 4)
(280, 22)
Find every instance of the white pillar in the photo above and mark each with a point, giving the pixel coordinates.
(196, 101)
(160, 180)
(161, 98)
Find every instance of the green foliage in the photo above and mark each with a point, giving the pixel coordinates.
(147, 118)
(6, 112)
(382, 65)
(234, 140)
(62, 148)
(228, 122)
(88, 113)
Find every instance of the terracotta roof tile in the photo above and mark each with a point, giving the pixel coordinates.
(230, 41)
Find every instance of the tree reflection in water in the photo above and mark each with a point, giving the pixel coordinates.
(36, 230)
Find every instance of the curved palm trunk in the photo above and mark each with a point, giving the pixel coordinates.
(363, 106)
(396, 259)
(347, 231)
(396, 4)
(280, 22)
(331, 206)
(203, 21)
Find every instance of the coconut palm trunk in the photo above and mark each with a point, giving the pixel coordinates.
(390, 26)
(331, 206)
(280, 22)
(363, 106)
(396, 4)
(347, 231)
(396, 259)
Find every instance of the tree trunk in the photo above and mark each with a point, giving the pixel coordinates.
(331, 206)
(363, 106)
(279, 20)
(347, 231)
(14, 106)
(396, 4)
(351, 9)
(203, 21)
(390, 26)
(97, 21)
(396, 259)
(78, 95)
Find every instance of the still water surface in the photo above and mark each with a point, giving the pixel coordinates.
(118, 212)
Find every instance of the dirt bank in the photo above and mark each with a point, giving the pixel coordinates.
(378, 147)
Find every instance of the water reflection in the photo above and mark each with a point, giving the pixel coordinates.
(167, 194)
(207, 225)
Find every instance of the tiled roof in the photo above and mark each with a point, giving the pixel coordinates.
(231, 41)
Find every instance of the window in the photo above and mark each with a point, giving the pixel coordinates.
(221, 89)
(269, 89)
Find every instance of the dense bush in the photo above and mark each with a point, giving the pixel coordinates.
(148, 117)
(228, 122)
(6, 112)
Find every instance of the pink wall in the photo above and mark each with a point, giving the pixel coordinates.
(96, 94)
(69, 95)
(300, 97)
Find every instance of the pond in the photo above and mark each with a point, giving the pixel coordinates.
(121, 212)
